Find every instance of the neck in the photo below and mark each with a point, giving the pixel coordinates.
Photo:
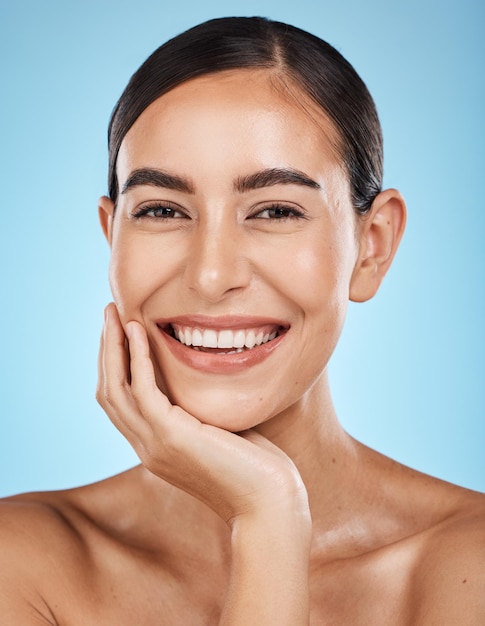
(334, 467)
(325, 455)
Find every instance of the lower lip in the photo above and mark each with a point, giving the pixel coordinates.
(220, 363)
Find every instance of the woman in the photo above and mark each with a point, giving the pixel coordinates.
(245, 209)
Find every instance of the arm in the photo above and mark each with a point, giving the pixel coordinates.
(269, 573)
(250, 483)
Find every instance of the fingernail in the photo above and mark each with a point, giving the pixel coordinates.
(106, 313)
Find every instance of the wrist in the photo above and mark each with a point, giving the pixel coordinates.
(270, 568)
(285, 501)
(271, 529)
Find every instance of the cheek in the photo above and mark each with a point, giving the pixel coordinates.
(137, 269)
(315, 276)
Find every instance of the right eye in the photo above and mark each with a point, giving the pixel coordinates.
(158, 211)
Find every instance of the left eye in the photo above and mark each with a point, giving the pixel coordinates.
(278, 212)
(158, 211)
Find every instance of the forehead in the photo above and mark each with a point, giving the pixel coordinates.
(241, 119)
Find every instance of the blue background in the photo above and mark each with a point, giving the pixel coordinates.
(408, 373)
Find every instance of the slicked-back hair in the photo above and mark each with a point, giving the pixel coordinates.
(255, 42)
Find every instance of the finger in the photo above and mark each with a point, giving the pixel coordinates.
(118, 348)
(174, 429)
(99, 385)
(148, 396)
(101, 353)
(116, 396)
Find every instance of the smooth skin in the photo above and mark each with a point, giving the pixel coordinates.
(251, 504)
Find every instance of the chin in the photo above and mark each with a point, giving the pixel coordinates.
(225, 409)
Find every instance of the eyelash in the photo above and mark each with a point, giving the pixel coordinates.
(285, 212)
(144, 212)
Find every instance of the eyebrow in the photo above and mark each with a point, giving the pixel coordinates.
(273, 176)
(157, 178)
(242, 184)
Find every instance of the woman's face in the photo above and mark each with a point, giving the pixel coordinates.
(234, 226)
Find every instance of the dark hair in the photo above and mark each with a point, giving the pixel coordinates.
(255, 42)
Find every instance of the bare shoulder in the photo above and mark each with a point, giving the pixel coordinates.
(105, 553)
(50, 545)
(34, 538)
(449, 578)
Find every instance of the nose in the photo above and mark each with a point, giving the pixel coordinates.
(217, 264)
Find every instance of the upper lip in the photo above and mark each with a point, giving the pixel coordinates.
(224, 322)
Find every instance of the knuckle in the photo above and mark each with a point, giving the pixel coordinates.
(100, 398)
(99, 393)
(107, 394)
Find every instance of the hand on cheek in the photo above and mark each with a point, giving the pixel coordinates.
(233, 474)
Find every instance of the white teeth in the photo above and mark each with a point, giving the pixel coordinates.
(233, 340)
(196, 337)
(239, 338)
(225, 339)
(250, 340)
(209, 339)
(188, 336)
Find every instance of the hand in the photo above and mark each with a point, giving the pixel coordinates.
(245, 479)
(235, 475)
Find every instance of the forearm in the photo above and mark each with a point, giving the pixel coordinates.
(269, 571)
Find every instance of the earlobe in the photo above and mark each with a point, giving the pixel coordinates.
(380, 234)
(106, 213)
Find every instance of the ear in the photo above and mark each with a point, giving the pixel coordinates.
(380, 232)
(106, 210)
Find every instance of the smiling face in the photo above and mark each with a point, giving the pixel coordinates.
(234, 243)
